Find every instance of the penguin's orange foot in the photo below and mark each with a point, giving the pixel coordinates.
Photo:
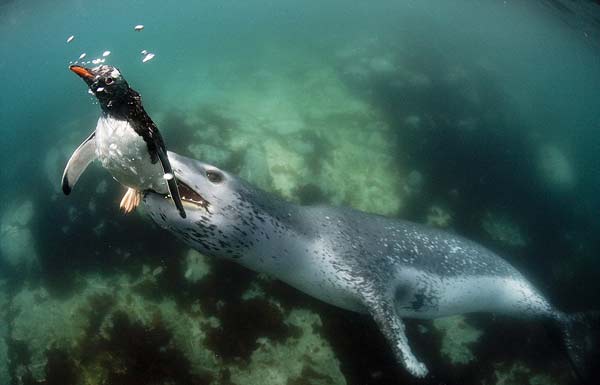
(130, 201)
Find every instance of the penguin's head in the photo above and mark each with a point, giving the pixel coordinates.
(107, 84)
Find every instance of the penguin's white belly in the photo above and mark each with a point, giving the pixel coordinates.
(125, 155)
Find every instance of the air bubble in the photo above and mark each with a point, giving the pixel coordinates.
(149, 56)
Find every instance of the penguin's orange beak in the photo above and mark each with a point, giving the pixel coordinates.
(82, 72)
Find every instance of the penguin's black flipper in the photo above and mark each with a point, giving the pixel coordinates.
(81, 158)
(172, 182)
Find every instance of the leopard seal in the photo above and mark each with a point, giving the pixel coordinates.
(389, 268)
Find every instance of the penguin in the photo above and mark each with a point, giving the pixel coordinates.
(126, 141)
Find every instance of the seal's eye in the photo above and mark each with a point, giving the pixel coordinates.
(109, 81)
(214, 176)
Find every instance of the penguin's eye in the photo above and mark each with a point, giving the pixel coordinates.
(214, 176)
(109, 81)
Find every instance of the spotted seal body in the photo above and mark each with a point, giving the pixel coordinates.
(366, 263)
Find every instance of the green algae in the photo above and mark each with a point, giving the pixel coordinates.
(315, 135)
(457, 339)
(109, 331)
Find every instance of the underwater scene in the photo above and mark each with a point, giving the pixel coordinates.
(307, 192)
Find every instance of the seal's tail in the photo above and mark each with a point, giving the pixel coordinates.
(581, 335)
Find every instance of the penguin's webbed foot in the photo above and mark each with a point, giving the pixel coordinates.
(130, 201)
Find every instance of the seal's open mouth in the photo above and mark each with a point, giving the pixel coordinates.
(191, 197)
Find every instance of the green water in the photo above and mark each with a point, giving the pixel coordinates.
(479, 117)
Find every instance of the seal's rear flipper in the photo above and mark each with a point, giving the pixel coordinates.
(81, 158)
(581, 333)
(393, 329)
(171, 181)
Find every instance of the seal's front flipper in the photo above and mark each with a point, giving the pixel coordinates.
(393, 329)
(170, 177)
(81, 158)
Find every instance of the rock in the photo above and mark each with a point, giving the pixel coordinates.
(413, 122)
(101, 187)
(255, 168)
(458, 336)
(438, 217)
(304, 135)
(414, 183)
(555, 168)
(105, 324)
(4, 334)
(196, 266)
(307, 353)
(209, 153)
(16, 239)
(254, 291)
(502, 229)
(286, 167)
(42, 322)
(515, 374)
(360, 171)
(382, 65)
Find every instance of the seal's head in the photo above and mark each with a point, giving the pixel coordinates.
(223, 211)
(108, 85)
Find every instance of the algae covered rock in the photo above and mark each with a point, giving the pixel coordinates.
(42, 323)
(255, 167)
(196, 266)
(118, 330)
(307, 357)
(360, 172)
(4, 335)
(555, 168)
(96, 322)
(4, 360)
(302, 134)
(501, 228)
(17, 244)
(457, 338)
(519, 374)
(439, 217)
